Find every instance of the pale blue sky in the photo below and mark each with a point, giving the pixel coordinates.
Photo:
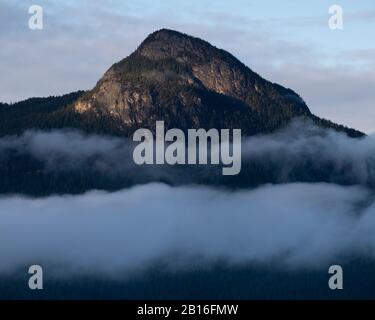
(285, 41)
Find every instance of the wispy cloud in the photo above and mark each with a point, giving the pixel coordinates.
(301, 151)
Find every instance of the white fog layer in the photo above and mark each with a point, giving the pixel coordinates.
(291, 226)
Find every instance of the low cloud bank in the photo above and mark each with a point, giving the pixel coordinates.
(305, 147)
(287, 226)
(300, 152)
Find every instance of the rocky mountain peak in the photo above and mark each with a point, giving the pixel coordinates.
(189, 83)
(165, 43)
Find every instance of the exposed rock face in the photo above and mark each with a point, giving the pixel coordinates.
(216, 69)
(188, 83)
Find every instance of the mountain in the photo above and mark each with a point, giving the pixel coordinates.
(189, 83)
(174, 77)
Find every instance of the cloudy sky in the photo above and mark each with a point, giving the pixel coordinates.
(285, 41)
